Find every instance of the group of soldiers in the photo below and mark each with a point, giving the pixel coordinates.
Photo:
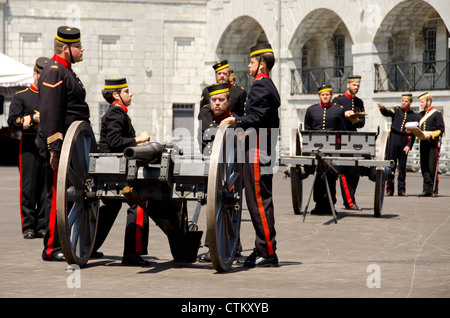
(346, 113)
(43, 112)
(56, 99)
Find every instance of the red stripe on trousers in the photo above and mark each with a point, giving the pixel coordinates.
(52, 222)
(139, 226)
(346, 190)
(262, 213)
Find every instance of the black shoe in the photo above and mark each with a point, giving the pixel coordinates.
(354, 207)
(29, 234)
(424, 194)
(250, 260)
(134, 260)
(402, 194)
(205, 257)
(57, 258)
(321, 211)
(96, 254)
(40, 233)
(389, 194)
(270, 261)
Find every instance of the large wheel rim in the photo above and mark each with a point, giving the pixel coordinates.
(294, 173)
(380, 181)
(77, 209)
(224, 195)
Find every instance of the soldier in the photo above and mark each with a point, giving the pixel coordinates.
(232, 78)
(62, 101)
(352, 105)
(24, 116)
(238, 94)
(261, 113)
(324, 116)
(400, 143)
(210, 116)
(117, 133)
(432, 124)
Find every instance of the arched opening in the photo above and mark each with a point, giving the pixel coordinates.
(321, 52)
(412, 43)
(235, 43)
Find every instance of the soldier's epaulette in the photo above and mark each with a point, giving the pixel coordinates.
(258, 79)
(207, 105)
(22, 91)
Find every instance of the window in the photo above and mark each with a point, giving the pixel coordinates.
(429, 56)
(183, 117)
(339, 56)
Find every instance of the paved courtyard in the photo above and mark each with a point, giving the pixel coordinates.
(403, 254)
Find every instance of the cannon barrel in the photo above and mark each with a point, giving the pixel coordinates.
(151, 152)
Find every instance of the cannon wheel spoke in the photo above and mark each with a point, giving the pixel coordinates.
(77, 216)
(224, 215)
(294, 173)
(380, 181)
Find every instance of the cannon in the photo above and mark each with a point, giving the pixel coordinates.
(323, 152)
(160, 179)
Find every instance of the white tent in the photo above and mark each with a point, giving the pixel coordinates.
(13, 73)
(14, 76)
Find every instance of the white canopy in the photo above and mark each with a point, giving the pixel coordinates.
(13, 73)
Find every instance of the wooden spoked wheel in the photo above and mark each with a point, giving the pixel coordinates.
(380, 180)
(224, 196)
(294, 173)
(76, 204)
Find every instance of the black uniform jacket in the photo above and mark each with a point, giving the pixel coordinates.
(209, 127)
(351, 103)
(261, 107)
(61, 101)
(434, 124)
(24, 105)
(330, 117)
(238, 96)
(399, 118)
(117, 132)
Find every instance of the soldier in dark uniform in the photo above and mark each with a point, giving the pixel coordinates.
(400, 143)
(24, 116)
(61, 102)
(116, 134)
(261, 113)
(352, 104)
(432, 124)
(324, 116)
(211, 115)
(237, 93)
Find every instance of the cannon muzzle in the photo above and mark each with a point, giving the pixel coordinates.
(150, 153)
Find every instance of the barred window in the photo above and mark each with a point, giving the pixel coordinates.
(429, 51)
(339, 56)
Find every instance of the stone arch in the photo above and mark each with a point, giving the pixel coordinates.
(402, 40)
(321, 43)
(235, 42)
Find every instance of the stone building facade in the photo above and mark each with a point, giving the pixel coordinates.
(166, 50)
